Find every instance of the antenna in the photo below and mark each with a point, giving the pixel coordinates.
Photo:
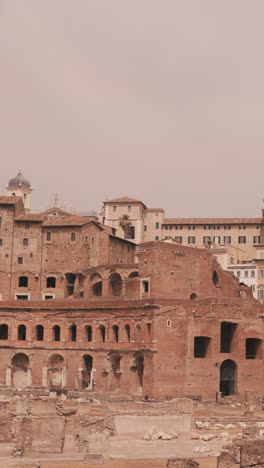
(56, 199)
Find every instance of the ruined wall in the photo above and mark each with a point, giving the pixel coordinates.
(183, 272)
(178, 370)
(113, 353)
(138, 349)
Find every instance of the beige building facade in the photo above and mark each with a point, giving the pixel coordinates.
(239, 235)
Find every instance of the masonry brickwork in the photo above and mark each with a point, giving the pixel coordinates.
(83, 309)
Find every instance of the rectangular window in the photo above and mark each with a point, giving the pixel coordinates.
(178, 239)
(156, 237)
(206, 240)
(227, 336)
(191, 239)
(256, 240)
(145, 286)
(145, 228)
(129, 208)
(1, 242)
(242, 239)
(242, 227)
(227, 239)
(216, 227)
(201, 344)
(238, 273)
(178, 227)
(157, 225)
(48, 296)
(217, 239)
(191, 227)
(261, 294)
(114, 208)
(130, 232)
(27, 225)
(48, 236)
(253, 274)
(21, 297)
(19, 260)
(227, 227)
(253, 348)
(246, 274)
(207, 227)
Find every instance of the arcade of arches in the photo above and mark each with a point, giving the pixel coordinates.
(82, 371)
(153, 348)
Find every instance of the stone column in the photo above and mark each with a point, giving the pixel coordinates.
(105, 288)
(64, 377)
(250, 402)
(44, 377)
(8, 375)
(29, 377)
(124, 287)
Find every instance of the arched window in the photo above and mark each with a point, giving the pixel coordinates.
(102, 332)
(73, 236)
(96, 284)
(3, 332)
(89, 333)
(25, 242)
(23, 281)
(127, 328)
(51, 282)
(215, 278)
(39, 332)
(22, 333)
(56, 333)
(73, 333)
(115, 329)
(115, 282)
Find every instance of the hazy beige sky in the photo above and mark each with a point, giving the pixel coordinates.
(162, 100)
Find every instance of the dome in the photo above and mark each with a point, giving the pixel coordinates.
(19, 181)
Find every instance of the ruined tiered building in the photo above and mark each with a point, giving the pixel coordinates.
(84, 309)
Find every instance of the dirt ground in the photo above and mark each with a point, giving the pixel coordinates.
(157, 463)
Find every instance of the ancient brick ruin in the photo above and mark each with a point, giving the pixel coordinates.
(86, 315)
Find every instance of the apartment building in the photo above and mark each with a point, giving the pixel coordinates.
(148, 224)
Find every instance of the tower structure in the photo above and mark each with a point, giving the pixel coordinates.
(19, 186)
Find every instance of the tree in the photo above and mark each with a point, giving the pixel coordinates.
(125, 223)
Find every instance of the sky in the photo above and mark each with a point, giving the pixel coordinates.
(160, 100)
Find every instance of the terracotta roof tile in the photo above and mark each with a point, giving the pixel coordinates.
(72, 220)
(7, 200)
(124, 199)
(37, 217)
(152, 210)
